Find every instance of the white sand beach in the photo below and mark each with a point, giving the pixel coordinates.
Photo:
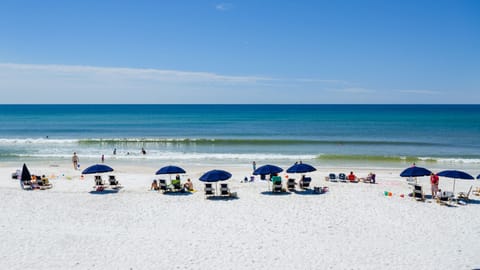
(353, 226)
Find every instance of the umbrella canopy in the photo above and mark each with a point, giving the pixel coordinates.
(97, 168)
(170, 170)
(26, 173)
(478, 177)
(455, 175)
(215, 176)
(301, 168)
(415, 171)
(267, 169)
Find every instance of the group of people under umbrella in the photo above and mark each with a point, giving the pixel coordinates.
(414, 171)
(213, 176)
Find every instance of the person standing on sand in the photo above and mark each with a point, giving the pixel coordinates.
(75, 160)
(103, 158)
(434, 180)
(254, 165)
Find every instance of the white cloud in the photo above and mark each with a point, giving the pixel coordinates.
(420, 92)
(37, 83)
(134, 73)
(224, 6)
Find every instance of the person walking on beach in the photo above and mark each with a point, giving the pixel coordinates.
(103, 158)
(114, 151)
(434, 180)
(254, 165)
(75, 160)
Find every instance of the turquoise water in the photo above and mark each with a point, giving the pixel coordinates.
(241, 133)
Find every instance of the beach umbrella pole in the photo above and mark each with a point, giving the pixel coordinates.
(454, 180)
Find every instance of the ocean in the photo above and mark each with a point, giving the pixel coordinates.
(331, 135)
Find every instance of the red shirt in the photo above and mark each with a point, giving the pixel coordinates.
(434, 179)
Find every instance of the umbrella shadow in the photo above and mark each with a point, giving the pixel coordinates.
(104, 192)
(177, 193)
(472, 201)
(222, 198)
(271, 193)
(307, 192)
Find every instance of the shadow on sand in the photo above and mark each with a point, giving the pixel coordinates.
(104, 192)
(177, 193)
(271, 193)
(222, 198)
(307, 192)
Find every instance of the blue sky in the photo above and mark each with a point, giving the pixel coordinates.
(239, 51)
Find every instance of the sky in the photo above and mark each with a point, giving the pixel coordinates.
(249, 51)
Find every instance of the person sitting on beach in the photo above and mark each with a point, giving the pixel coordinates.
(154, 185)
(45, 180)
(352, 177)
(33, 182)
(371, 177)
(188, 185)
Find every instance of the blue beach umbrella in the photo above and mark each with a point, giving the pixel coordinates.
(455, 175)
(97, 168)
(170, 170)
(215, 176)
(415, 171)
(478, 177)
(301, 168)
(267, 169)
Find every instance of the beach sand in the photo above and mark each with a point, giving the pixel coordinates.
(353, 226)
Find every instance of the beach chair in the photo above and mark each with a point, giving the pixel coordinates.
(476, 191)
(418, 193)
(162, 185)
(304, 183)
(465, 196)
(176, 184)
(320, 190)
(26, 184)
(43, 183)
(277, 184)
(224, 190)
(444, 197)
(291, 184)
(112, 180)
(209, 190)
(332, 177)
(342, 178)
(98, 180)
